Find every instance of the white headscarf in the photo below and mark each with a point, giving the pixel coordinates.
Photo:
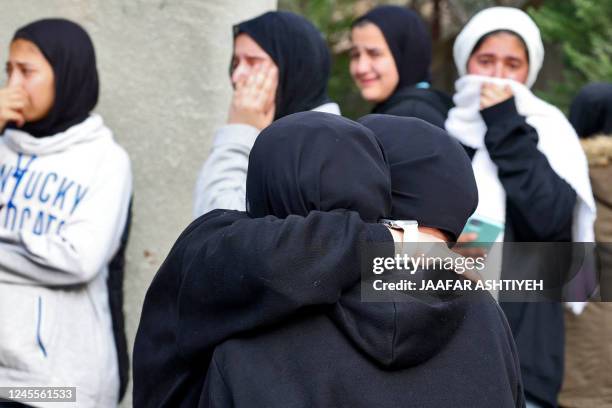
(500, 18)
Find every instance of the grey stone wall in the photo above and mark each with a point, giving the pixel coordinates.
(163, 68)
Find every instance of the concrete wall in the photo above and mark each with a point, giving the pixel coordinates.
(163, 68)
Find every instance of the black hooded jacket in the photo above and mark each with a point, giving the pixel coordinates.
(222, 276)
(357, 354)
(404, 350)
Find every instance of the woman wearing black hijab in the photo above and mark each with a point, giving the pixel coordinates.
(280, 65)
(390, 59)
(63, 205)
(233, 275)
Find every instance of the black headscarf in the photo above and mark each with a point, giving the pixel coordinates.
(299, 51)
(431, 175)
(591, 110)
(317, 161)
(70, 52)
(408, 39)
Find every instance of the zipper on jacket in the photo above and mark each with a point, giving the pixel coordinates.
(38, 338)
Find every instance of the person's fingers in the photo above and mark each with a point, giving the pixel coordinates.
(267, 70)
(256, 93)
(18, 104)
(267, 93)
(250, 79)
(16, 98)
(490, 92)
(20, 121)
(258, 87)
(253, 85)
(470, 251)
(10, 115)
(14, 93)
(274, 86)
(240, 83)
(19, 92)
(467, 237)
(485, 102)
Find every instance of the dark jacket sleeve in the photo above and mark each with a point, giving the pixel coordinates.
(216, 393)
(257, 272)
(228, 274)
(114, 283)
(540, 204)
(418, 109)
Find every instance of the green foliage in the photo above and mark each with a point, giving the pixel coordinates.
(583, 31)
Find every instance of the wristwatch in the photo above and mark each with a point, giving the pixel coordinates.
(410, 228)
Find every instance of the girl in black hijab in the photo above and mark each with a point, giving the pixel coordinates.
(63, 209)
(69, 51)
(280, 65)
(299, 52)
(390, 59)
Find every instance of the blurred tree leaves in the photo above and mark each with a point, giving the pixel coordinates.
(583, 31)
(580, 28)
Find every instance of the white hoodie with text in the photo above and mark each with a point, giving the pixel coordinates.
(63, 207)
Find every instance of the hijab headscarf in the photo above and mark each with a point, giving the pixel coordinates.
(299, 51)
(317, 161)
(495, 19)
(431, 175)
(556, 138)
(70, 52)
(591, 110)
(408, 39)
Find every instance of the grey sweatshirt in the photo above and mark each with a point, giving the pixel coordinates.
(63, 206)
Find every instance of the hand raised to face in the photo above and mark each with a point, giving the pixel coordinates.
(254, 97)
(12, 102)
(492, 94)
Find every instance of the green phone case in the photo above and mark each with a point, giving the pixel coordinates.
(487, 231)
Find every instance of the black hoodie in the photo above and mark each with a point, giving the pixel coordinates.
(407, 353)
(280, 299)
(443, 349)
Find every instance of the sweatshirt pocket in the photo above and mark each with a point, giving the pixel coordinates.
(25, 325)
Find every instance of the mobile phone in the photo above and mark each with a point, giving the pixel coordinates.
(487, 231)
